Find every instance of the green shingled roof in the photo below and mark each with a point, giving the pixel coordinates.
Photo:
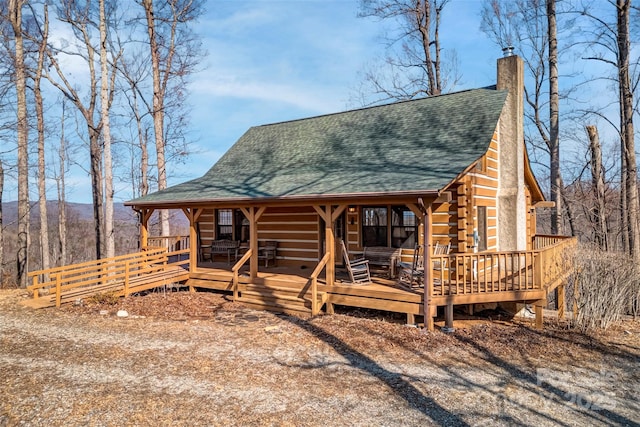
(411, 146)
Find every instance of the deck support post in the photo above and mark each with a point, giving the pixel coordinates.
(448, 317)
(539, 310)
(561, 302)
(330, 309)
(411, 319)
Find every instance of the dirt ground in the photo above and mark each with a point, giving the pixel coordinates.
(197, 359)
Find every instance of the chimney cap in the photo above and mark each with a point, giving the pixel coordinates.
(507, 51)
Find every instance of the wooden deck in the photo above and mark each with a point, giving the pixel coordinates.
(525, 276)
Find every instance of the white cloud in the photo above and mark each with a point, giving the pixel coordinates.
(310, 98)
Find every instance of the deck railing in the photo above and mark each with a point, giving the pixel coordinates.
(106, 273)
(480, 273)
(541, 241)
(170, 243)
(236, 272)
(314, 283)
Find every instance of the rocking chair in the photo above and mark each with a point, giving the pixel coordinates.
(358, 269)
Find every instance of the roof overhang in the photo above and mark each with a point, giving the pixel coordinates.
(531, 181)
(306, 200)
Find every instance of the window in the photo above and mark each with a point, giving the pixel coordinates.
(482, 229)
(374, 226)
(224, 224)
(404, 227)
(481, 166)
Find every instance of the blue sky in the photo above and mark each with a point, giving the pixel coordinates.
(277, 60)
(271, 61)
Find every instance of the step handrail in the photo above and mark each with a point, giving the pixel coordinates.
(235, 269)
(314, 283)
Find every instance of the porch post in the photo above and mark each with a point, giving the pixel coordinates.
(192, 215)
(253, 214)
(330, 243)
(429, 310)
(145, 214)
(329, 216)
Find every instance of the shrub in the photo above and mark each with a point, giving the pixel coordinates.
(608, 288)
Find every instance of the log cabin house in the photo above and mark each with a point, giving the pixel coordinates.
(448, 170)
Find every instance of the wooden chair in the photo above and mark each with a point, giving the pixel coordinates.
(440, 249)
(269, 252)
(358, 269)
(412, 274)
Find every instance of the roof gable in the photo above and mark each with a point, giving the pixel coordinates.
(411, 146)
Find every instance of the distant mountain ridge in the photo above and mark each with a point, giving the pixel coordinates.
(75, 211)
(83, 212)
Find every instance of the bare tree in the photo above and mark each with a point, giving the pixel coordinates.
(627, 135)
(173, 53)
(416, 67)
(78, 17)
(41, 42)
(106, 91)
(60, 184)
(554, 120)
(610, 43)
(22, 258)
(134, 70)
(598, 212)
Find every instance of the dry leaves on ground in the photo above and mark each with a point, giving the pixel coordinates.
(199, 359)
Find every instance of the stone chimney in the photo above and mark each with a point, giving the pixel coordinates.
(512, 213)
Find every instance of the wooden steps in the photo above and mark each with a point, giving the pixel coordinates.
(223, 284)
(281, 299)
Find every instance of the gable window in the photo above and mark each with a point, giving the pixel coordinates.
(374, 226)
(482, 228)
(224, 224)
(404, 227)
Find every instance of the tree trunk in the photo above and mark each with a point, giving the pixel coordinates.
(106, 137)
(62, 203)
(598, 214)
(158, 109)
(95, 153)
(626, 127)
(22, 257)
(42, 189)
(554, 123)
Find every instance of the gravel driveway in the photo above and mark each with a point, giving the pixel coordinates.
(196, 359)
